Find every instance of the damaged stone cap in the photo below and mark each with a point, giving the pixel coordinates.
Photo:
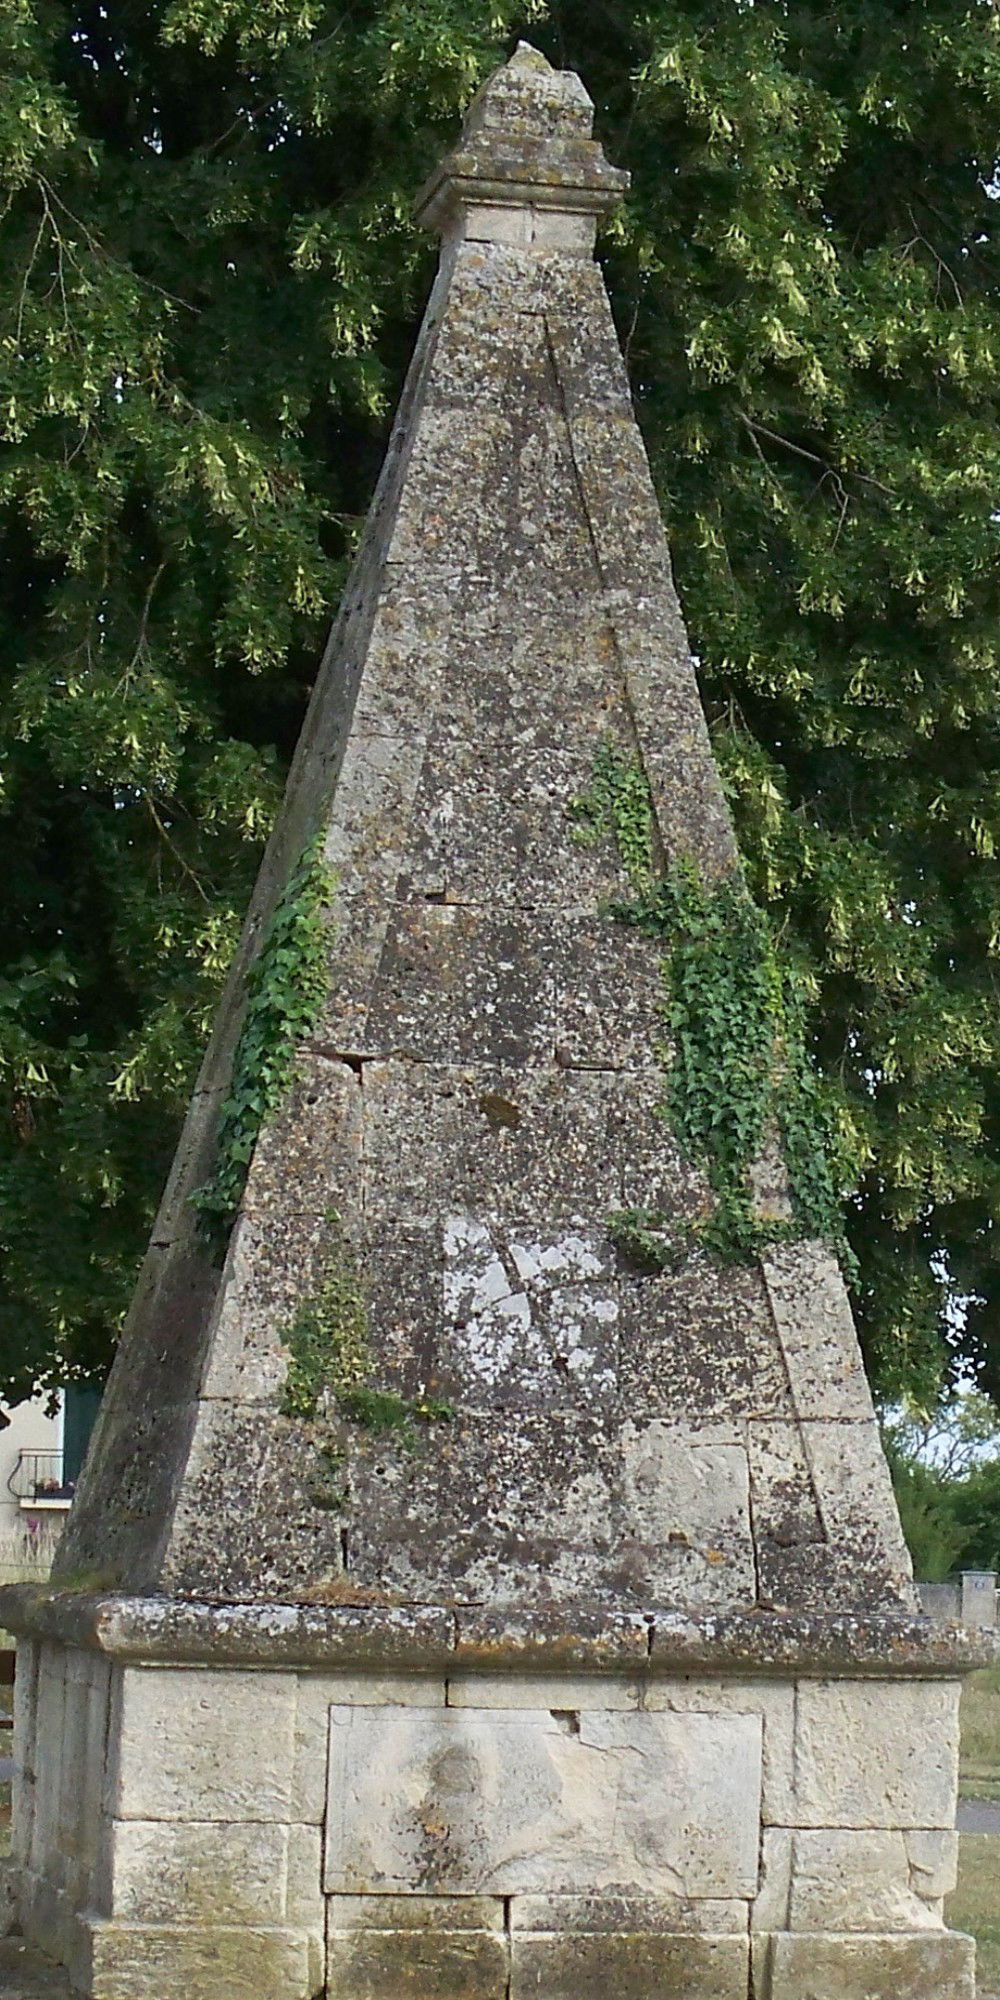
(526, 170)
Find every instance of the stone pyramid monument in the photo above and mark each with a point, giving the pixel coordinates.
(485, 1581)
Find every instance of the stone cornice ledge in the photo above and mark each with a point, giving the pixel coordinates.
(436, 1638)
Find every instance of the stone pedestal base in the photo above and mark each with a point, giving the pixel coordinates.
(437, 1828)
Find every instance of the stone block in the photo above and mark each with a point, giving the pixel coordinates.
(205, 1745)
(686, 1504)
(25, 1715)
(48, 1917)
(936, 1965)
(772, 1701)
(308, 1157)
(689, 1344)
(253, 1522)
(608, 995)
(514, 1802)
(277, 1255)
(47, 1856)
(858, 1506)
(496, 830)
(769, 1910)
(415, 1964)
(530, 1314)
(522, 1504)
(316, 1695)
(813, 1317)
(304, 1878)
(933, 1862)
(542, 1691)
(458, 984)
(366, 837)
(876, 1754)
(785, 1509)
(163, 1872)
(505, 1144)
(174, 1962)
(8, 1898)
(857, 1880)
(415, 1913)
(629, 1915)
(85, 1738)
(644, 1967)
(26, 1703)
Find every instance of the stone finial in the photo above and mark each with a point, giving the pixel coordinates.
(526, 170)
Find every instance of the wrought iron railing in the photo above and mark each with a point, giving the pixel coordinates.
(37, 1480)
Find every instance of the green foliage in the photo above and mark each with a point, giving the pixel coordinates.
(648, 1240)
(210, 292)
(616, 806)
(328, 1338)
(934, 1536)
(946, 1473)
(331, 1358)
(286, 987)
(739, 1073)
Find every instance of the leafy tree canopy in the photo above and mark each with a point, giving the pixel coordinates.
(210, 289)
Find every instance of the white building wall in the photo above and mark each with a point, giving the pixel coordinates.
(28, 1534)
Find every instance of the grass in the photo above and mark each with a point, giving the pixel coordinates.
(979, 1770)
(975, 1905)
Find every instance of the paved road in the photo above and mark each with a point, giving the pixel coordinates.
(978, 1816)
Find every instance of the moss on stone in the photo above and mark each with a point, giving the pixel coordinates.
(332, 1361)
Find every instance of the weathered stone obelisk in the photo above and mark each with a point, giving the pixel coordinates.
(454, 1606)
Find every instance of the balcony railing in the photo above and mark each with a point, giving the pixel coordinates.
(37, 1480)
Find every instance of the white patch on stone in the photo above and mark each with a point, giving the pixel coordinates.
(528, 1302)
(515, 1801)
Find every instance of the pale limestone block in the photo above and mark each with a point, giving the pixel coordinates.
(205, 1745)
(177, 1962)
(552, 1691)
(304, 1879)
(876, 1753)
(558, 229)
(852, 1483)
(675, 1483)
(813, 1316)
(199, 1873)
(46, 1854)
(415, 1913)
(417, 1965)
(857, 1880)
(933, 1860)
(316, 1695)
(87, 1705)
(630, 1915)
(25, 1714)
(515, 1801)
(25, 1703)
(935, 1965)
(772, 1701)
(769, 1910)
(647, 1966)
